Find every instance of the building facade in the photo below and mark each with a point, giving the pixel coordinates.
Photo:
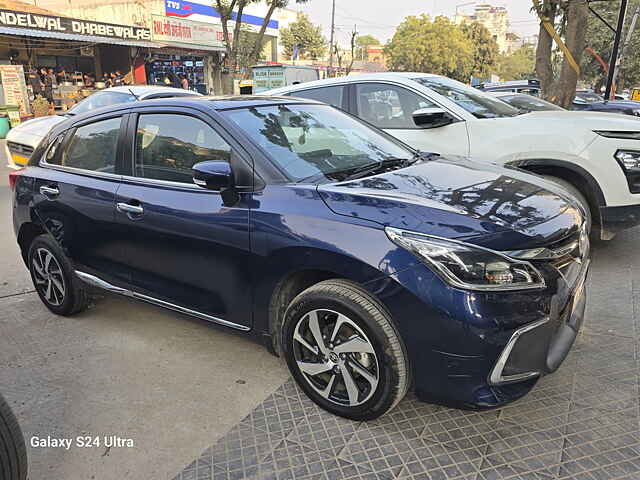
(494, 19)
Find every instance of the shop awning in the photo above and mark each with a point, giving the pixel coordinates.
(27, 32)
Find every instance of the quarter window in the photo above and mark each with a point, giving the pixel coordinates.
(169, 145)
(388, 106)
(329, 95)
(92, 147)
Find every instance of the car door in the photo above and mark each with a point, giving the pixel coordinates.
(390, 107)
(186, 247)
(75, 193)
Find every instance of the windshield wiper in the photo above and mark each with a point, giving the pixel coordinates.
(372, 168)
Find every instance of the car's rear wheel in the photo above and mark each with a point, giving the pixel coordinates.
(13, 452)
(343, 350)
(54, 278)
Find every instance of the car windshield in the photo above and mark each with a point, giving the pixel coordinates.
(589, 97)
(529, 103)
(471, 99)
(316, 141)
(101, 99)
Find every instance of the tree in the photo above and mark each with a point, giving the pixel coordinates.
(485, 48)
(569, 18)
(439, 46)
(363, 42)
(517, 65)
(600, 42)
(307, 36)
(232, 11)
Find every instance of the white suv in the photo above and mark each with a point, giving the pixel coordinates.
(594, 155)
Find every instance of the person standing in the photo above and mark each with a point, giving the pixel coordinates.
(49, 79)
(184, 82)
(36, 83)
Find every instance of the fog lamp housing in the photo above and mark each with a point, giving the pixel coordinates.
(629, 160)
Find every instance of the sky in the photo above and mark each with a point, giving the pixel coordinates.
(380, 17)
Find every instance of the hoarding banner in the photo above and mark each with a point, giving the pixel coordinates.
(186, 31)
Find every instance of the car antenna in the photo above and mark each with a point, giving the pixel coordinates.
(137, 97)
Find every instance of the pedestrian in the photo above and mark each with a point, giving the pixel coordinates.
(49, 79)
(36, 83)
(184, 82)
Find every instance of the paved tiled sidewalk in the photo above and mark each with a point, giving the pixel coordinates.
(580, 423)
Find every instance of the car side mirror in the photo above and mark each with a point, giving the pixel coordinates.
(432, 117)
(213, 175)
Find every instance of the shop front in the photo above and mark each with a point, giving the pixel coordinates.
(71, 57)
(191, 50)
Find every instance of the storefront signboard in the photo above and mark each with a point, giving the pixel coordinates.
(14, 87)
(176, 30)
(51, 23)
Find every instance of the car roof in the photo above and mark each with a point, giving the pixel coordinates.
(354, 78)
(144, 90)
(209, 102)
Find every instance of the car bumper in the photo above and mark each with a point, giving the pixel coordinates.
(616, 219)
(484, 351)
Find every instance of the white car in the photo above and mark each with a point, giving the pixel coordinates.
(24, 138)
(594, 155)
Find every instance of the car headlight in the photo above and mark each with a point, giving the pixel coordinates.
(629, 159)
(468, 266)
(620, 134)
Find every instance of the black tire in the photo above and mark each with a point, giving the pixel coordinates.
(13, 452)
(388, 360)
(577, 194)
(74, 298)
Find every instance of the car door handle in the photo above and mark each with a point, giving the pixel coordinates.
(128, 208)
(49, 192)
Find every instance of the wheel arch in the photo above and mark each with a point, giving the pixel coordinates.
(285, 290)
(26, 234)
(577, 176)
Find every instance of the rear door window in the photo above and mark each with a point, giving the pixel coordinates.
(329, 95)
(91, 147)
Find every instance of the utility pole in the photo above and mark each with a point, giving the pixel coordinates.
(625, 45)
(614, 54)
(333, 31)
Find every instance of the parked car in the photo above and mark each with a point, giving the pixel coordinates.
(24, 138)
(595, 156)
(368, 265)
(13, 451)
(584, 99)
(593, 102)
(526, 103)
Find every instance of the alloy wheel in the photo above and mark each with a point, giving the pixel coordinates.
(336, 357)
(48, 276)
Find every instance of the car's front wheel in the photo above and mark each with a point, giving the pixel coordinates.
(344, 351)
(577, 194)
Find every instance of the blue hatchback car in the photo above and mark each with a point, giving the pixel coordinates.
(370, 267)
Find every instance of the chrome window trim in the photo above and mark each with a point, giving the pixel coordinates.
(81, 171)
(100, 283)
(496, 377)
(167, 183)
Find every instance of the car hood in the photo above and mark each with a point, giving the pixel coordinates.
(585, 119)
(32, 131)
(487, 205)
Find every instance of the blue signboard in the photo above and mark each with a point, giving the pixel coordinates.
(185, 8)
